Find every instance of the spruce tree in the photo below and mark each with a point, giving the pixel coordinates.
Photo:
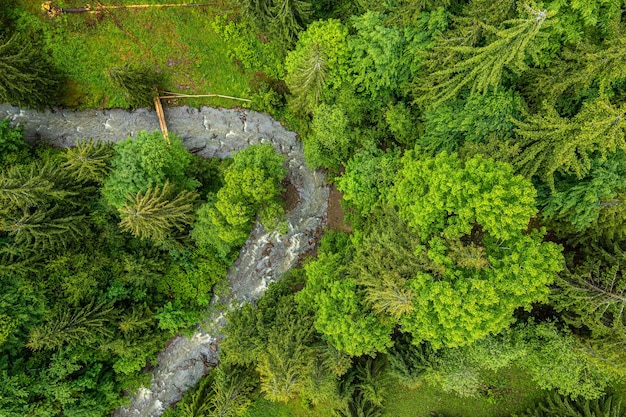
(88, 160)
(27, 185)
(139, 84)
(593, 294)
(481, 68)
(156, 215)
(26, 76)
(307, 82)
(551, 143)
(287, 19)
(560, 405)
(72, 326)
(44, 228)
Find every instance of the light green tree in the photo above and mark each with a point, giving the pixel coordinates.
(146, 161)
(481, 68)
(319, 61)
(157, 214)
(550, 143)
(89, 160)
(478, 262)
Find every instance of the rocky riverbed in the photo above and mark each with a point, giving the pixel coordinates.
(264, 258)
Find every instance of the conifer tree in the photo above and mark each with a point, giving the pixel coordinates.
(593, 294)
(139, 84)
(551, 143)
(155, 215)
(482, 68)
(26, 76)
(232, 391)
(579, 68)
(67, 326)
(560, 405)
(26, 186)
(307, 81)
(44, 228)
(88, 160)
(288, 18)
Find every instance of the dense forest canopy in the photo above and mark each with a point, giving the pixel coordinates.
(479, 147)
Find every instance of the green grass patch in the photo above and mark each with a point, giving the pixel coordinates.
(513, 392)
(178, 42)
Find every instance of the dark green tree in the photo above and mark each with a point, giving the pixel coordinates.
(72, 326)
(139, 84)
(593, 293)
(589, 207)
(26, 75)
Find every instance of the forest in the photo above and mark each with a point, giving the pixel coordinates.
(479, 151)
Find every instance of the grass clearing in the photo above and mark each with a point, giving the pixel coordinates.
(178, 42)
(514, 392)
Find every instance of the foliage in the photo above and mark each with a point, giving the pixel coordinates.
(330, 142)
(157, 214)
(11, 141)
(367, 180)
(251, 190)
(408, 362)
(89, 160)
(591, 292)
(245, 46)
(471, 220)
(449, 125)
(143, 162)
(555, 404)
(28, 77)
(550, 143)
(482, 68)
(85, 308)
(139, 84)
(559, 361)
(319, 61)
(576, 206)
(340, 310)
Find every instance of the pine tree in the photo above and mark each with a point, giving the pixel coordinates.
(481, 68)
(85, 325)
(552, 143)
(153, 215)
(26, 76)
(88, 160)
(288, 18)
